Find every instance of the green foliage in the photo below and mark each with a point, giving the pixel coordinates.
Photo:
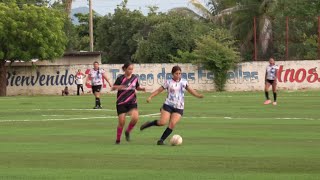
(81, 38)
(303, 27)
(116, 34)
(170, 33)
(216, 53)
(30, 32)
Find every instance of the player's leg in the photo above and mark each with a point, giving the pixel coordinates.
(164, 117)
(266, 92)
(121, 123)
(97, 96)
(274, 90)
(174, 119)
(81, 86)
(78, 89)
(134, 119)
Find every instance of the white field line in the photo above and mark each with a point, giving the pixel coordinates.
(72, 109)
(73, 119)
(61, 109)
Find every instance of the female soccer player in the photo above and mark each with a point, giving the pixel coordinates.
(271, 80)
(96, 75)
(127, 84)
(173, 107)
(79, 81)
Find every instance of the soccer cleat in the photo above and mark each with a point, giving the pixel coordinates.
(160, 142)
(127, 134)
(274, 103)
(267, 102)
(117, 141)
(97, 107)
(144, 125)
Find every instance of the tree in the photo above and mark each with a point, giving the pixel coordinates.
(168, 34)
(82, 42)
(242, 13)
(29, 32)
(303, 29)
(116, 34)
(216, 52)
(20, 3)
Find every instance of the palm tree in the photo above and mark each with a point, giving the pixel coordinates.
(68, 6)
(242, 13)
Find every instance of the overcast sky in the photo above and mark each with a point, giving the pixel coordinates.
(107, 6)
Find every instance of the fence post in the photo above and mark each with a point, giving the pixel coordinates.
(255, 38)
(287, 38)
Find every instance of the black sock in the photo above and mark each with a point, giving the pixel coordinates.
(152, 123)
(98, 102)
(166, 133)
(267, 94)
(275, 96)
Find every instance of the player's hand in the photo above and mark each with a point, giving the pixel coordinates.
(148, 99)
(110, 85)
(200, 96)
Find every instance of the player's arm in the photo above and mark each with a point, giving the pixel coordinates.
(88, 79)
(117, 85)
(154, 93)
(141, 88)
(194, 92)
(265, 77)
(106, 78)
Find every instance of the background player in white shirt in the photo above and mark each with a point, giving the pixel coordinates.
(96, 76)
(173, 107)
(79, 81)
(271, 80)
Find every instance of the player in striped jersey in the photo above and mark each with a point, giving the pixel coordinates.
(96, 76)
(271, 80)
(173, 107)
(127, 84)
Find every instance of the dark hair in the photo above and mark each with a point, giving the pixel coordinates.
(175, 69)
(126, 65)
(96, 62)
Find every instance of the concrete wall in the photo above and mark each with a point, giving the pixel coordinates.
(249, 76)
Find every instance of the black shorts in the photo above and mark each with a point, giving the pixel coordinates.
(96, 88)
(171, 109)
(270, 81)
(125, 108)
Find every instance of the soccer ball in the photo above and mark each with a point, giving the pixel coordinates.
(176, 140)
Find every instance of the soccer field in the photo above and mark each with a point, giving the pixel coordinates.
(225, 136)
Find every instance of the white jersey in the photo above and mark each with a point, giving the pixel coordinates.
(96, 76)
(79, 78)
(176, 90)
(271, 72)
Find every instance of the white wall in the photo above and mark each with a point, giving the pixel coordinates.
(249, 76)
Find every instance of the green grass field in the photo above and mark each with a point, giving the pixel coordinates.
(226, 136)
